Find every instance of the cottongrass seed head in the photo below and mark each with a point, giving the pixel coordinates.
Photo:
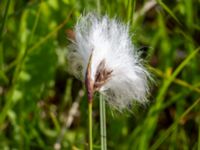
(116, 69)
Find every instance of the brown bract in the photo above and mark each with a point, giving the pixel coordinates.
(88, 81)
(102, 75)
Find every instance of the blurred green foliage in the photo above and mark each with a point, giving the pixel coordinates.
(37, 91)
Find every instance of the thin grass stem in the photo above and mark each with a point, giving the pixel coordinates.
(103, 123)
(90, 125)
(99, 6)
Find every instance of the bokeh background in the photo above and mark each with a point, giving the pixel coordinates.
(42, 106)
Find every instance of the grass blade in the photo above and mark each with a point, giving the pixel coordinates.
(173, 126)
(150, 123)
(168, 10)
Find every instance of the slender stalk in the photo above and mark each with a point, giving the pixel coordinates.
(103, 123)
(99, 6)
(90, 125)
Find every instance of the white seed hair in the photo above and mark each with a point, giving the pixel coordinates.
(109, 40)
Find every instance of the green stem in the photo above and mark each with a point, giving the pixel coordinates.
(90, 125)
(103, 123)
(99, 6)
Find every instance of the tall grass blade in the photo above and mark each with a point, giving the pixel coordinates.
(172, 127)
(150, 123)
(168, 10)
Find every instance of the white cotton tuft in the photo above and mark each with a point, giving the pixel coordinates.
(109, 40)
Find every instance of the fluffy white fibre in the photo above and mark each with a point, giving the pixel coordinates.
(110, 41)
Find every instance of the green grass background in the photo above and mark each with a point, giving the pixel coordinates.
(37, 90)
